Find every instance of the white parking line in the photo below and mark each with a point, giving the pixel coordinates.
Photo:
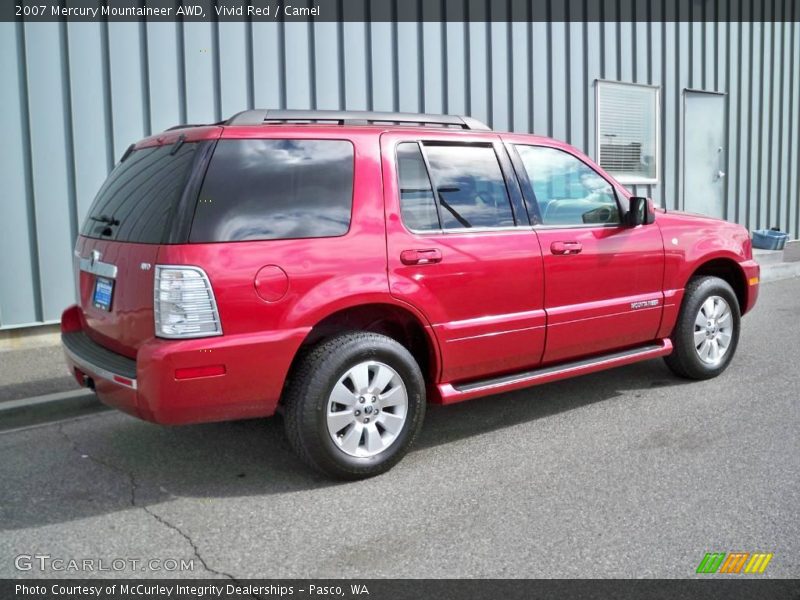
(44, 399)
(58, 422)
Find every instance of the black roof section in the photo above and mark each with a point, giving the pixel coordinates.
(357, 117)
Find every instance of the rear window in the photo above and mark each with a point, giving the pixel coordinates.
(139, 195)
(275, 189)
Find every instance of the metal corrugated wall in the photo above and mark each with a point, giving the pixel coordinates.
(76, 94)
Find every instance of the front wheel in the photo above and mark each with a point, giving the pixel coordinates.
(354, 405)
(707, 332)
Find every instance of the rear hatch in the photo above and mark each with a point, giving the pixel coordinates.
(148, 200)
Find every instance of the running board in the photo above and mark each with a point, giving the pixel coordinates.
(456, 393)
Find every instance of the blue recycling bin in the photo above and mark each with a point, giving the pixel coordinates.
(769, 239)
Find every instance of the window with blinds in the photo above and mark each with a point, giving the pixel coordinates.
(627, 128)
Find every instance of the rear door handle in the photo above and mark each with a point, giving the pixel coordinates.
(421, 257)
(566, 247)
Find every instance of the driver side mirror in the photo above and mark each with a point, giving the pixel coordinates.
(641, 211)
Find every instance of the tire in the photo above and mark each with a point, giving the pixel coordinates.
(703, 325)
(356, 381)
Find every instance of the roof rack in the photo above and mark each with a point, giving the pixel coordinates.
(357, 117)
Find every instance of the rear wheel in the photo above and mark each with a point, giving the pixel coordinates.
(354, 405)
(707, 332)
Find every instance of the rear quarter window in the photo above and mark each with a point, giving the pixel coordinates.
(268, 189)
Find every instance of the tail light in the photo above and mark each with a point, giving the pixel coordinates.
(184, 303)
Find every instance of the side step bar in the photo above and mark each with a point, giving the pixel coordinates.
(456, 393)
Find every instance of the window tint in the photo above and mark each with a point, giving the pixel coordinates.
(568, 191)
(417, 205)
(470, 187)
(275, 189)
(136, 200)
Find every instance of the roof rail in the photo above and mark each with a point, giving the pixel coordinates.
(356, 117)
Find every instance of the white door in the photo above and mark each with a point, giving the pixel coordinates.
(704, 153)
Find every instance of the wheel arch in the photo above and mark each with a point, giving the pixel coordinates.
(395, 321)
(729, 271)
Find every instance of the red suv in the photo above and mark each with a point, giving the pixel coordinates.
(345, 268)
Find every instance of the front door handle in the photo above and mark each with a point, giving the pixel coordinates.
(566, 247)
(421, 257)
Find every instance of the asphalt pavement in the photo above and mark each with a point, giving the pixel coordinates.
(626, 473)
(33, 372)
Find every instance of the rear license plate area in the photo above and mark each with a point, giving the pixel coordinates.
(103, 292)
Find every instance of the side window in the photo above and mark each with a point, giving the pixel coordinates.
(274, 189)
(417, 206)
(567, 190)
(469, 185)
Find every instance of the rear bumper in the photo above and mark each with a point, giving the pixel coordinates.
(96, 361)
(186, 381)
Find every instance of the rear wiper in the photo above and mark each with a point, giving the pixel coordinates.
(105, 219)
(177, 145)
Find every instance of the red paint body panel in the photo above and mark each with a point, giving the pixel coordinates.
(129, 323)
(256, 365)
(494, 302)
(484, 297)
(589, 296)
(692, 240)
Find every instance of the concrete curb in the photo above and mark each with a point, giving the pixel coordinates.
(47, 408)
(29, 337)
(778, 271)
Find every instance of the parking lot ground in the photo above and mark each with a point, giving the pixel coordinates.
(625, 473)
(28, 372)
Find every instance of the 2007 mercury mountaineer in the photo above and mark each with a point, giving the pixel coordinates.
(350, 267)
